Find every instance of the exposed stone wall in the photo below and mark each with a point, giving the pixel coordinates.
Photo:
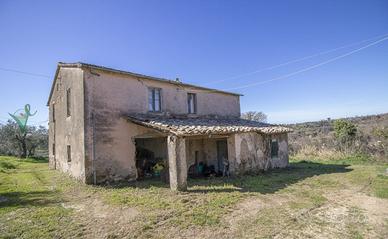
(253, 154)
(67, 130)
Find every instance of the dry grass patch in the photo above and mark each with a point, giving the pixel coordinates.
(330, 199)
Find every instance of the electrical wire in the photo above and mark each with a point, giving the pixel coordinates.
(24, 72)
(296, 60)
(311, 67)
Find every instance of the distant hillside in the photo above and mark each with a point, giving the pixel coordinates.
(372, 135)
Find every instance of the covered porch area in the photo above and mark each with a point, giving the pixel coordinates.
(195, 147)
(173, 159)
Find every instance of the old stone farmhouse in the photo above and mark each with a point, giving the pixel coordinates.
(109, 125)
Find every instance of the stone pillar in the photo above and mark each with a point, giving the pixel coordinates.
(176, 148)
(232, 157)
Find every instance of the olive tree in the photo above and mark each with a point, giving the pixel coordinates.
(255, 116)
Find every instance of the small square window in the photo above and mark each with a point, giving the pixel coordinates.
(274, 148)
(154, 99)
(192, 103)
(68, 153)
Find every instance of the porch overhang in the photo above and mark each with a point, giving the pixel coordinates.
(200, 126)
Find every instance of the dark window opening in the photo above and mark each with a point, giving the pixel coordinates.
(68, 102)
(274, 148)
(53, 149)
(68, 153)
(192, 103)
(154, 100)
(53, 111)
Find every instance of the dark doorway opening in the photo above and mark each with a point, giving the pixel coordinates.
(222, 155)
(151, 158)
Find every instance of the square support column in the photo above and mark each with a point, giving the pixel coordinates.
(176, 147)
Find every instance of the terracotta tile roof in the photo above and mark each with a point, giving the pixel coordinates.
(185, 126)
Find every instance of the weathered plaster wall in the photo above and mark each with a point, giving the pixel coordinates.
(207, 151)
(252, 152)
(110, 152)
(131, 94)
(67, 130)
(176, 147)
(283, 160)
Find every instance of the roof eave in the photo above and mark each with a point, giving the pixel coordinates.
(107, 69)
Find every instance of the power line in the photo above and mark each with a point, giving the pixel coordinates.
(296, 60)
(311, 67)
(24, 72)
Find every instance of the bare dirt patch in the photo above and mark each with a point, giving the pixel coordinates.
(99, 219)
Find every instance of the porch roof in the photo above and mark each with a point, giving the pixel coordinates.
(187, 126)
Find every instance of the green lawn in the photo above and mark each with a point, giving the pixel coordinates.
(339, 198)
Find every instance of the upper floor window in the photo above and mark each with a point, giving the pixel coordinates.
(154, 99)
(192, 103)
(53, 113)
(274, 148)
(68, 102)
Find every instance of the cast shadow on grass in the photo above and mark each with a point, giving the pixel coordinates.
(34, 198)
(269, 181)
(265, 182)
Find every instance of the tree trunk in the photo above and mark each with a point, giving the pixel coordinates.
(24, 148)
(23, 145)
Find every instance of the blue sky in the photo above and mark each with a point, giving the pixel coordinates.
(203, 42)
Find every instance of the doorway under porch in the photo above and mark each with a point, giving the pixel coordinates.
(173, 159)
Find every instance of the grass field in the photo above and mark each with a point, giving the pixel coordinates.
(345, 198)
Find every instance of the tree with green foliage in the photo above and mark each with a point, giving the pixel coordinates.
(345, 132)
(8, 142)
(21, 117)
(36, 140)
(381, 133)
